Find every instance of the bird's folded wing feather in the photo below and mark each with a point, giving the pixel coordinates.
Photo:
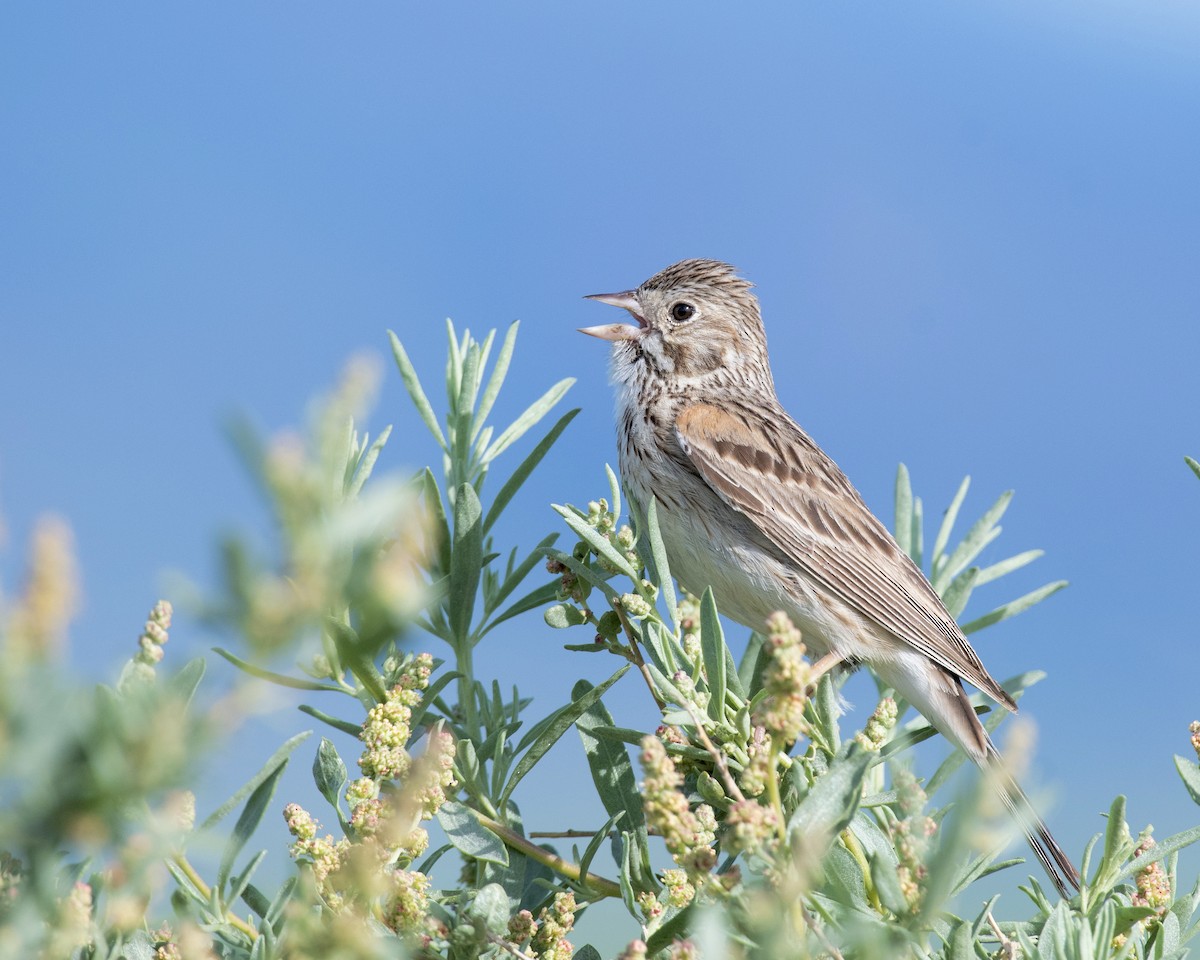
(804, 504)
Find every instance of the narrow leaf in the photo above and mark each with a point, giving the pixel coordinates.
(609, 762)
(564, 718)
(829, 806)
(712, 648)
(597, 541)
(527, 466)
(465, 561)
(1013, 607)
(248, 822)
(959, 592)
(366, 463)
(997, 570)
(345, 726)
(536, 410)
(496, 380)
(662, 567)
(412, 384)
(276, 762)
(531, 600)
(1190, 773)
(982, 532)
(947, 525)
(904, 504)
(279, 679)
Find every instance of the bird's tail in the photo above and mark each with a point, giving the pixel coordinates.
(1055, 861)
(970, 734)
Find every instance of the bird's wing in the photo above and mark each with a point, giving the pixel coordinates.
(801, 502)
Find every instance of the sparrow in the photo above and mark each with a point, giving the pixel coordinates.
(750, 506)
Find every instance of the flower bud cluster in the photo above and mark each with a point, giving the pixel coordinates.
(387, 730)
(1153, 884)
(549, 940)
(680, 890)
(635, 606)
(785, 680)
(759, 763)
(407, 908)
(749, 826)
(521, 927)
(875, 734)
(324, 854)
(689, 835)
(150, 645)
(635, 951)
(911, 835)
(1194, 729)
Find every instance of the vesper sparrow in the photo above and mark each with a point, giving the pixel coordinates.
(751, 506)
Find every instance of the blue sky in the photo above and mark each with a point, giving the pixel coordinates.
(973, 228)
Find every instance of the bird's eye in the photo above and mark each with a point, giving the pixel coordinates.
(682, 311)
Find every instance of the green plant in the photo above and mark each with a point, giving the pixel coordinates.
(760, 829)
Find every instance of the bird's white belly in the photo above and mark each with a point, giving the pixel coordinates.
(748, 584)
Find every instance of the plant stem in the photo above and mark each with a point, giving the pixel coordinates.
(570, 870)
(231, 918)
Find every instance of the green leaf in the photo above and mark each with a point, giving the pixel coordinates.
(465, 560)
(329, 772)
(982, 532)
(661, 645)
(536, 410)
(366, 463)
(608, 760)
(526, 467)
(279, 679)
(412, 384)
(1193, 464)
(497, 596)
(959, 591)
(564, 718)
(1190, 773)
(345, 726)
(563, 615)
(1160, 851)
(469, 836)
(904, 509)
(831, 803)
(248, 822)
(535, 598)
(496, 380)
(1013, 607)
(662, 567)
(947, 525)
(712, 648)
(463, 405)
(997, 570)
(887, 885)
(754, 660)
(436, 511)
(277, 761)
(614, 492)
(597, 541)
(184, 683)
(674, 929)
(490, 907)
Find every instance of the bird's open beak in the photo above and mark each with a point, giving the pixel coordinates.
(626, 300)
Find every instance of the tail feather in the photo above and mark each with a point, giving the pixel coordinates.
(939, 695)
(1057, 864)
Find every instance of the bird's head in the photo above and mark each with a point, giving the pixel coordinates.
(691, 320)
